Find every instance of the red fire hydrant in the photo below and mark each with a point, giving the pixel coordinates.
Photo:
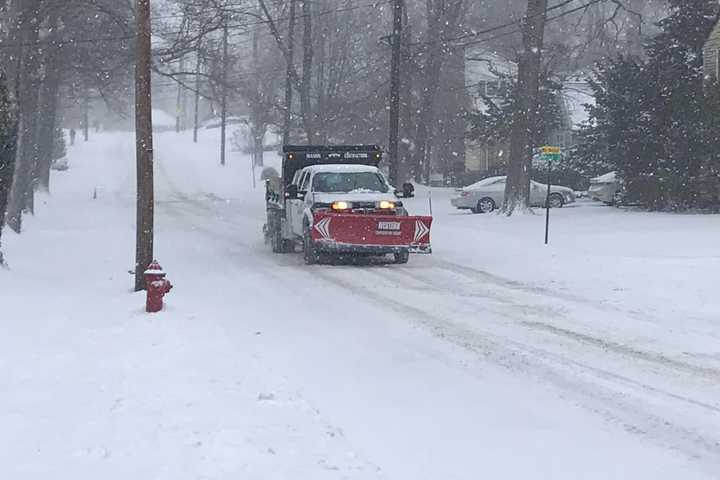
(157, 287)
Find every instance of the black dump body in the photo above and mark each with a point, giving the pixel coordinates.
(297, 157)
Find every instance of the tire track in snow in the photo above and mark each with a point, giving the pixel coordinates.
(543, 292)
(612, 401)
(433, 284)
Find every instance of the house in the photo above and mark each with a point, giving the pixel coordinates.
(574, 97)
(711, 54)
(488, 75)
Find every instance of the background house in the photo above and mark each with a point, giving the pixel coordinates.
(488, 77)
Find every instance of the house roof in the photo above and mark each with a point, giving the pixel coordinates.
(484, 65)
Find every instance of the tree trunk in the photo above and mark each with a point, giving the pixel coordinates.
(407, 106)
(287, 121)
(525, 116)
(395, 84)
(86, 114)
(48, 124)
(258, 134)
(179, 107)
(144, 145)
(21, 195)
(450, 117)
(443, 18)
(431, 77)
(196, 117)
(257, 121)
(8, 134)
(48, 116)
(223, 105)
(306, 83)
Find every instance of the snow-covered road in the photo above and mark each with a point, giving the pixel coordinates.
(264, 368)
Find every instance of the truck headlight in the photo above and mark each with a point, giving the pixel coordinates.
(386, 205)
(340, 205)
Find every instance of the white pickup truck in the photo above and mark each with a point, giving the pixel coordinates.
(344, 208)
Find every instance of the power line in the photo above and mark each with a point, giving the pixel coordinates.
(518, 22)
(230, 27)
(551, 19)
(510, 24)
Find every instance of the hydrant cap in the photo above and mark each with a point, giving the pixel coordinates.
(154, 269)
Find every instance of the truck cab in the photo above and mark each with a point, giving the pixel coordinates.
(339, 188)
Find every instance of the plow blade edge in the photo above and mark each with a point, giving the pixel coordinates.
(382, 232)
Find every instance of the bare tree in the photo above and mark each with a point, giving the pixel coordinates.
(8, 135)
(27, 88)
(443, 18)
(524, 122)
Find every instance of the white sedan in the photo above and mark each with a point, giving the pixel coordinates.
(487, 194)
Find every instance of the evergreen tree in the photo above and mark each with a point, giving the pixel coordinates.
(652, 118)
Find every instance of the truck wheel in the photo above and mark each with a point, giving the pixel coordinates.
(402, 257)
(276, 241)
(310, 253)
(279, 244)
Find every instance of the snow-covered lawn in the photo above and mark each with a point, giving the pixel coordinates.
(595, 357)
(659, 269)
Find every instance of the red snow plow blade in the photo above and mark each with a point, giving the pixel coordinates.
(350, 232)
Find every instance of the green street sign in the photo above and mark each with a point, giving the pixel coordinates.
(551, 154)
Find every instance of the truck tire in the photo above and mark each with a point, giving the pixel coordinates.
(310, 253)
(277, 242)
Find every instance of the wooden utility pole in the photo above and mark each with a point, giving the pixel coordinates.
(394, 142)
(197, 97)
(287, 123)
(144, 145)
(306, 80)
(223, 107)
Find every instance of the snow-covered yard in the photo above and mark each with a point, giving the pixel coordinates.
(595, 357)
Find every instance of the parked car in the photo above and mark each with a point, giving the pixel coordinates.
(606, 188)
(487, 194)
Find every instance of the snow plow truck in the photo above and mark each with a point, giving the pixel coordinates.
(334, 201)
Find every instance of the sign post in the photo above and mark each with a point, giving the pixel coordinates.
(550, 155)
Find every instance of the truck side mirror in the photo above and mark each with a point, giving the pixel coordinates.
(292, 191)
(408, 190)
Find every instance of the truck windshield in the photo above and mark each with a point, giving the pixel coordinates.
(345, 182)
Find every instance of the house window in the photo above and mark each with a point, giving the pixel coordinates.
(493, 89)
(482, 88)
